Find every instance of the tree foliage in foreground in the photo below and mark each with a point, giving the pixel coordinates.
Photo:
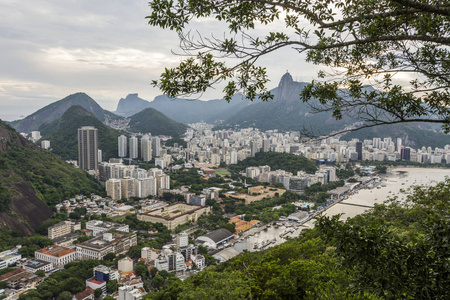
(398, 250)
(375, 42)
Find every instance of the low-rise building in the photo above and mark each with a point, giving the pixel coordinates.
(173, 215)
(98, 227)
(130, 293)
(57, 255)
(36, 265)
(59, 229)
(84, 295)
(215, 239)
(9, 257)
(20, 278)
(66, 240)
(199, 261)
(125, 264)
(117, 243)
(102, 275)
(149, 254)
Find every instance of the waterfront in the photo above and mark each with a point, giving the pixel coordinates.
(391, 183)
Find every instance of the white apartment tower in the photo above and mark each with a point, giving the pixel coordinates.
(113, 189)
(122, 146)
(146, 148)
(133, 147)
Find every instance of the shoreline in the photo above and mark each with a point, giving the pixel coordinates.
(395, 180)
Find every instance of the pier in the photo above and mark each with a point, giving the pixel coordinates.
(353, 204)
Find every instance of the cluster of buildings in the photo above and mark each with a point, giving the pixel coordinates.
(298, 182)
(131, 286)
(105, 238)
(232, 146)
(126, 181)
(184, 256)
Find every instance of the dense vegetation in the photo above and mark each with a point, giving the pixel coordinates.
(52, 179)
(71, 279)
(394, 251)
(10, 239)
(151, 120)
(173, 141)
(284, 161)
(63, 134)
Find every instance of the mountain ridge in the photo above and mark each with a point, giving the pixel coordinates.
(63, 133)
(155, 122)
(55, 110)
(184, 110)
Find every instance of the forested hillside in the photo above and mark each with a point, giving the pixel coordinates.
(276, 160)
(63, 134)
(153, 121)
(32, 180)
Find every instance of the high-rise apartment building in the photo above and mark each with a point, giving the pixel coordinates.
(405, 153)
(122, 146)
(127, 187)
(87, 148)
(133, 147)
(253, 148)
(156, 143)
(113, 189)
(146, 148)
(359, 150)
(266, 145)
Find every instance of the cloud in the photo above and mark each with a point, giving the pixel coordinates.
(53, 48)
(90, 58)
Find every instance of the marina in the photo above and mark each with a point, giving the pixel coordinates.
(396, 183)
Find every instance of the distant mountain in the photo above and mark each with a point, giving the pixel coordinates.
(63, 134)
(131, 105)
(285, 112)
(55, 110)
(32, 180)
(151, 120)
(184, 110)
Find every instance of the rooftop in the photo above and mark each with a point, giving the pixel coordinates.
(56, 251)
(219, 235)
(36, 264)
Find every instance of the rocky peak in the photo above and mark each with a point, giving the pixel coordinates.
(283, 90)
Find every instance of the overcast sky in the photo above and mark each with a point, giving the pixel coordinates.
(51, 49)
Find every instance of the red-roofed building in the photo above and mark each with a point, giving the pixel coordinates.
(57, 255)
(95, 284)
(84, 295)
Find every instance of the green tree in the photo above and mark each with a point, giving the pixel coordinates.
(97, 293)
(158, 281)
(65, 296)
(363, 41)
(40, 273)
(141, 269)
(112, 286)
(109, 257)
(153, 272)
